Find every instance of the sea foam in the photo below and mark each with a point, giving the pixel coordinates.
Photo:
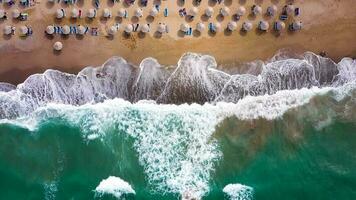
(114, 186)
(238, 192)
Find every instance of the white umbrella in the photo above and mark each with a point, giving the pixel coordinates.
(91, 13)
(65, 29)
(138, 12)
(200, 27)
(193, 11)
(81, 30)
(232, 25)
(225, 11)
(271, 10)
(2, 13)
(247, 26)
(74, 13)
(144, 28)
(153, 11)
(106, 13)
(7, 30)
(256, 10)
(15, 13)
(59, 13)
(58, 46)
(279, 25)
(161, 28)
(50, 29)
(263, 25)
(23, 30)
(209, 11)
(290, 9)
(217, 26)
(112, 30)
(128, 28)
(241, 11)
(184, 27)
(122, 12)
(297, 25)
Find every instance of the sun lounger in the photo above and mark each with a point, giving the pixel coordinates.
(135, 27)
(283, 17)
(97, 4)
(126, 14)
(157, 7)
(86, 30)
(297, 12)
(165, 12)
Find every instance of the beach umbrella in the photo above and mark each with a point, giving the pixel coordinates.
(209, 11)
(122, 12)
(106, 13)
(60, 13)
(81, 30)
(193, 11)
(256, 10)
(279, 25)
(247, 26)
(138, 12)
(161, 28)
(217, 26)
(2, 13)
(271, 10)
(65, 29)
(91, 13)
(7, 1)
(297, 25)
(58, 46)
(50, 30)
(263, 25)
(232, 25)
(74, 13)
(112, 30)
(225, 11)
(241, 11)
(23, 30)
(16, 13)
(184, 27)
(153, 11)
(200, 27)
(290, 9)
(144, 28)
(128, 28)
(7, 30)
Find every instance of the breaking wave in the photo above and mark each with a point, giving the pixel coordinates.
(195, 79)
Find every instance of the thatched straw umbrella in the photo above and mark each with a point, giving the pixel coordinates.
(256, 9)
(58, 46)
(75, 13)
(144, 28)
(290, 9)
(106, 13)
(161, 28)
(50, 29)
(91, 13)
(231, 26)
(225, 11)
(200, 27)
(23, 30)
(279, 25)
(184, 27)
(138, 12)
(2, 13)
(153, 12)
(60, 13)
(122, 12)
(7, 30)
(209, 11)
(81, 30)
(263, 25)
(112, 30)
(65, 30)
(247, 26)
(217, 27)
(15, 14)
(193, 11)
(271, 10)
(128, 28)
(296, 25)
(241, 11)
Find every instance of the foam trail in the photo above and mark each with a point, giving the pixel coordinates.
(114, 186)
(238, 192)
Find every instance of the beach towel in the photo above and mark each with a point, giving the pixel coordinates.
(166, 12)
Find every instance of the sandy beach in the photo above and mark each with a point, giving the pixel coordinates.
(328, 26)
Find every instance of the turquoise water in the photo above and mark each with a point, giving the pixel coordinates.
(285, 158)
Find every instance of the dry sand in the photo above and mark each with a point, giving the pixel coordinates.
(329, 25)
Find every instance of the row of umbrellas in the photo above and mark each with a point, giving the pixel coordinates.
(8, 30)
(209, 11)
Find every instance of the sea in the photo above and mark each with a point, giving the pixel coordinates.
(284, 129)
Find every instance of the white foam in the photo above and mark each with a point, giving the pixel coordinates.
(238, 191)
(114, 186)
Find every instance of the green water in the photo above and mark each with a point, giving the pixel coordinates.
(55, 162)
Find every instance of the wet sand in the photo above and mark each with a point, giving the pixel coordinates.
(329, 26)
